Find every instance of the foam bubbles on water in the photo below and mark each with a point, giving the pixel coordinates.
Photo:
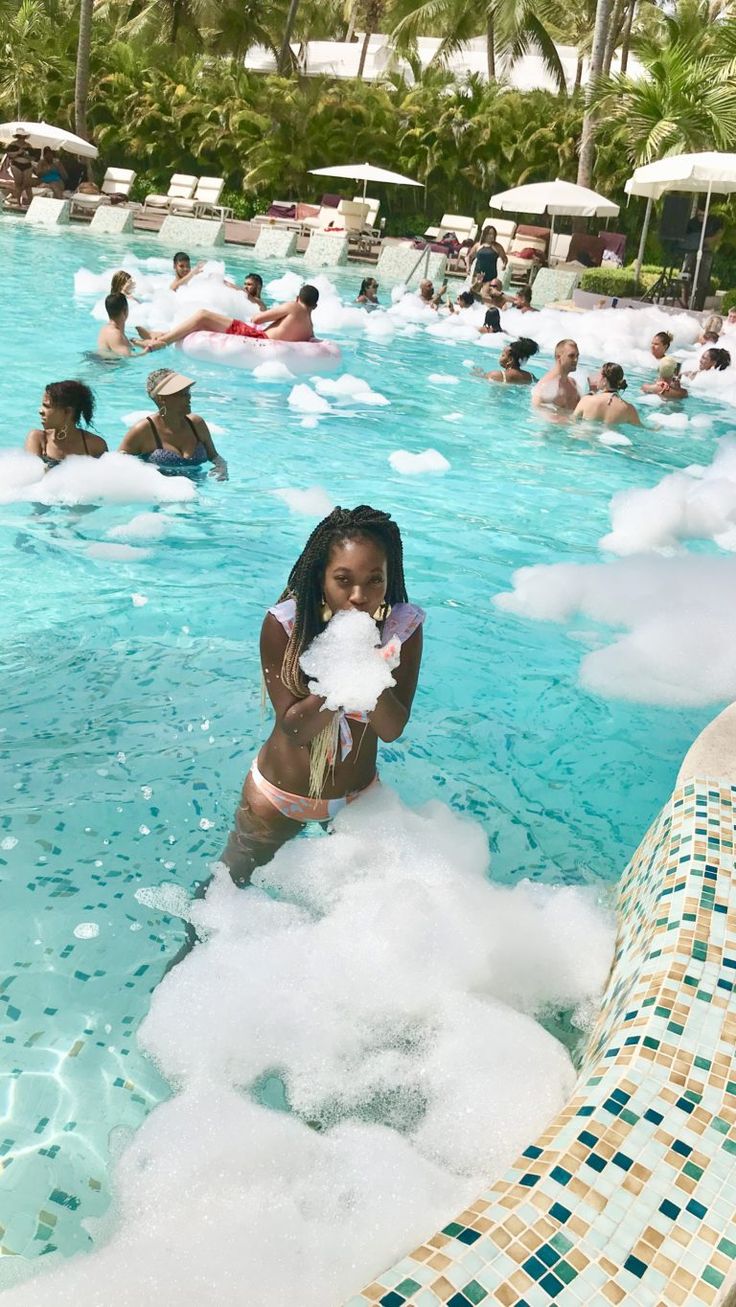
(698, 503)
(314, 502)
(86, 930)
(345, 664)
(443, 379)
(407, 1087)
(273, 371)
(113, 479)
(665, 604)
(305, 400)
(408, 464)
(144, 526)
(111, 552)
(348, 389)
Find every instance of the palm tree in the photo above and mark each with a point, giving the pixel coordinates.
(595, 68)
(511, 28)
(686, 102)
(81, 83)
(26, 56)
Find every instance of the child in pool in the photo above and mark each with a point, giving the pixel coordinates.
(352, 561)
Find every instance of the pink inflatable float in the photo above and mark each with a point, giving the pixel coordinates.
(241, 352)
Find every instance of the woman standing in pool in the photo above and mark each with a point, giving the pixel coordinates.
(486, 253)
(605, 404)
(174, 438)
(511, 372)
(353, 561)
(64, 404)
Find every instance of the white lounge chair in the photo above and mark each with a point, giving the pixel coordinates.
(205, 201)
(462, 227)
(181, 187)
(352, 215)
(117, 181)
(374, 208)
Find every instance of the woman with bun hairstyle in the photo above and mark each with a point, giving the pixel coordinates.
(605, 403)
(64, 405)
(510, 372)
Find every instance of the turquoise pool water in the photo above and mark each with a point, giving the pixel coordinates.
(127, 726)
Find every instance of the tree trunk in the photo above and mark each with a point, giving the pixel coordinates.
(617, 14)
(578, 73)
(595, 67)
(175, 21)
(363, 54)
(491, 47)
(626, 42)
(282, 67)
(81, 83)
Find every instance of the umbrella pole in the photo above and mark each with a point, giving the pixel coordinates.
(699, 255)
(642, 242)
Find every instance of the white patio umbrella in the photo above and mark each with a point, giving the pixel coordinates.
(365, 173)
(709, 171)
(555, 198)
(57, 138)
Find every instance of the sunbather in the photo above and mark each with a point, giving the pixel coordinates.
(292, 321)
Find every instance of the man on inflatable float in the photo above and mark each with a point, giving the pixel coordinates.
(289, 340)
(291, 322)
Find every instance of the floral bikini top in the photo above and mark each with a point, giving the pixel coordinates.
(401, 622)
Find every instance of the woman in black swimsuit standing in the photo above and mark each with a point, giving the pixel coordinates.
(20, 161)
(62, 406)
(486, 253)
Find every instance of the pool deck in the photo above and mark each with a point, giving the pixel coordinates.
(629, 1195)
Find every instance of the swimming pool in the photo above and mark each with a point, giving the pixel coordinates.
(132, 694)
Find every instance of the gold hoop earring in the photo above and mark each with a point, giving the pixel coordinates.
(326, 610)
(59, 436)
(162, 410)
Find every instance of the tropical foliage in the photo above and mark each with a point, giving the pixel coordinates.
(168, 91)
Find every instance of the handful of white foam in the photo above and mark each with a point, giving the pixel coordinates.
(347, 665)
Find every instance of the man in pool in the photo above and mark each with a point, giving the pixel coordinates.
(557, 389)
(292, 321)
(112, 341)
(183, 270)
(253, 287)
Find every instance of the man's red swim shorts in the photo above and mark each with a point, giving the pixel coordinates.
(238, 328)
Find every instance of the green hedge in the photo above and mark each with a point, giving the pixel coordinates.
(617, 281)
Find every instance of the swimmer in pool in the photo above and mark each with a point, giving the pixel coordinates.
(173, 438)
(352, 561)
(368, 293)
(183, 270)
(511, 358)
(465, 300)
(712, 360)
(112, 341)
(292, 321)
(123, 284)
(253, 287)
(64, 404)
(605, 403)
(557, 389)
(428, 295)
(523, 300)
(667, 367)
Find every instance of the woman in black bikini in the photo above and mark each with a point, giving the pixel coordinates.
(174, 439)
(20, 160)
(64, 403)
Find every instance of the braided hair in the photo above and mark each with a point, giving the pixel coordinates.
(304, 585)
(305, 588)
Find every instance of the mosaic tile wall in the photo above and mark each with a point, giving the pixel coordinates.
(629, 1196)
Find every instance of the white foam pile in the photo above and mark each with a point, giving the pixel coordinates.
(346, 665)
(389, 989)
(348, 389)
(408, 464)
(112, 479)
(144, 526)
(678, 613)
(314, 502)
(273, 371)
(345, 391)
(698, 503)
